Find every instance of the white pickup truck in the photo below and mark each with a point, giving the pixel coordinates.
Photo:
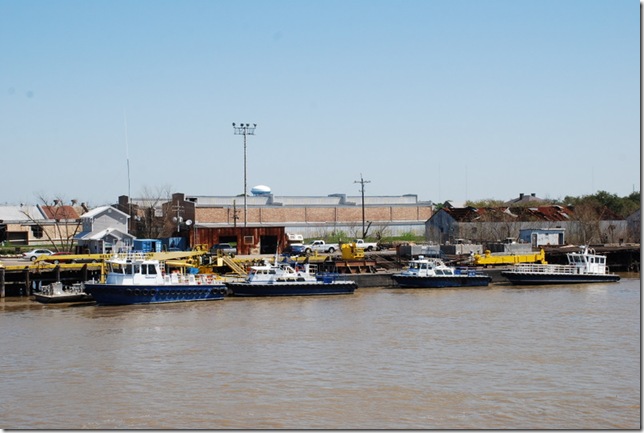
(367, 246)
(321, 247)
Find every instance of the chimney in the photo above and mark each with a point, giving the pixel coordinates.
(521, 196)
(533, 194)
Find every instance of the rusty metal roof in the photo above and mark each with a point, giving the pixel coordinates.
(521, 213)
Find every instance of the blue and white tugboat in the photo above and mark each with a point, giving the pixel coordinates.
(131, 278)
(583, 266)
(284, 279)
(433, 273)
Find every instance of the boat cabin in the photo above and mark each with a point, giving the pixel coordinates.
(133, 271)
(432, 266)
(587, 261)
(281, 272)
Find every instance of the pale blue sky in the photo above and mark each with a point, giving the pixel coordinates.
(446, 99)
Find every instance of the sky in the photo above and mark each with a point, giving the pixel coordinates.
(446, 99)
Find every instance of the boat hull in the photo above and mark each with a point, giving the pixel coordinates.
(438, 282)
(60, 299)
(115, 294)
(532, 279)
(292, 289)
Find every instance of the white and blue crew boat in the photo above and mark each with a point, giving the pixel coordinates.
(284, 279)
(131, 278)
(584, 266)
(433, 273)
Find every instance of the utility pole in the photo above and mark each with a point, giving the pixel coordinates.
(178, 219)
(245, 130)
(362, 182)
(235, 213)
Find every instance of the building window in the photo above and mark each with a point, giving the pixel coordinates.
(37, 231)
(249, 240)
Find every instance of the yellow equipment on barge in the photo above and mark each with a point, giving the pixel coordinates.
(509, 259)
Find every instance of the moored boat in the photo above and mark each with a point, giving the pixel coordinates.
(584, 266)
(132, 278)
(56, 293)
(432, 273)
(283, 279)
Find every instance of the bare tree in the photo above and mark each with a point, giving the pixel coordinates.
(61, 218)
(586, 227)
(147, 214)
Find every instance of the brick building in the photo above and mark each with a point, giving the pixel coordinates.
(313, 217)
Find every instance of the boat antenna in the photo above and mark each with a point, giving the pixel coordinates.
(127, 160)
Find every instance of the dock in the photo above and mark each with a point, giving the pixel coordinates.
(374, 270)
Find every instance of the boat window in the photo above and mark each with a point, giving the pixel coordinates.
(152, 270)
(128, 269)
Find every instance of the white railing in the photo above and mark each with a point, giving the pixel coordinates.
(132, 256)
(532, 268)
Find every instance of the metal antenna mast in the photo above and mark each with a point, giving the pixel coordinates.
(245, 130)
(362, 182)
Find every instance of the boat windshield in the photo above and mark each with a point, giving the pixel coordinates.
(148, 269)
(133, 268)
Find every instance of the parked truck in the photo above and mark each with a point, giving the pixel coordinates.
(367, 246)
(223, 248)
(321, 247)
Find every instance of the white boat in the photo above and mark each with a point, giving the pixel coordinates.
(284, 279)
(132, 278)
(584, 266)
(56, 293)
(428, 273)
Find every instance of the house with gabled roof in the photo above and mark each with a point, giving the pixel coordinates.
(104, 229)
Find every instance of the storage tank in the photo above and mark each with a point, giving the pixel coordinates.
(260, 190)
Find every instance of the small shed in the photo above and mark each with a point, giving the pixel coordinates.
(541, 237)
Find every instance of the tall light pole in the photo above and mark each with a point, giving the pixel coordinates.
(245, 130)
(362, 182)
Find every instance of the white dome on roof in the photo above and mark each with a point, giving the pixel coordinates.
(260, 190)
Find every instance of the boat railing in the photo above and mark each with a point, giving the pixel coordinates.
(535, 268)
(129, 256)
(190, 279)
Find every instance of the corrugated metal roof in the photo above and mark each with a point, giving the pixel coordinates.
(21, 213)
(521, 213)
(330, 200)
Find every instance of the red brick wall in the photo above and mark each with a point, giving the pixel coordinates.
(267, 215)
